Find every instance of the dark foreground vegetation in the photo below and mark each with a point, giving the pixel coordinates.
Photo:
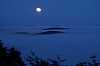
(11, 57)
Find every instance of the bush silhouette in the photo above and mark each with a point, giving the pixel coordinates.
(10, 57)
(94, 62)
(36, 61)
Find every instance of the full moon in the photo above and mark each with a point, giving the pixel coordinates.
(38, 9)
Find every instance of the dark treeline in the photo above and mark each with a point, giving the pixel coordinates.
(11, 57)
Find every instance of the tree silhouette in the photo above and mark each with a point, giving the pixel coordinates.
(36, 61)
(10, 57)
(94, 62)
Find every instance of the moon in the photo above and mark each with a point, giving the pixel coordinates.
(38, 9)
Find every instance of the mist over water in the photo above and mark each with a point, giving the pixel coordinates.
(76, 44)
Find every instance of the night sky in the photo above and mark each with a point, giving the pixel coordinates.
(54, 12)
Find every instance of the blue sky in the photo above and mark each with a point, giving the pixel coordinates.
(54, 12)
